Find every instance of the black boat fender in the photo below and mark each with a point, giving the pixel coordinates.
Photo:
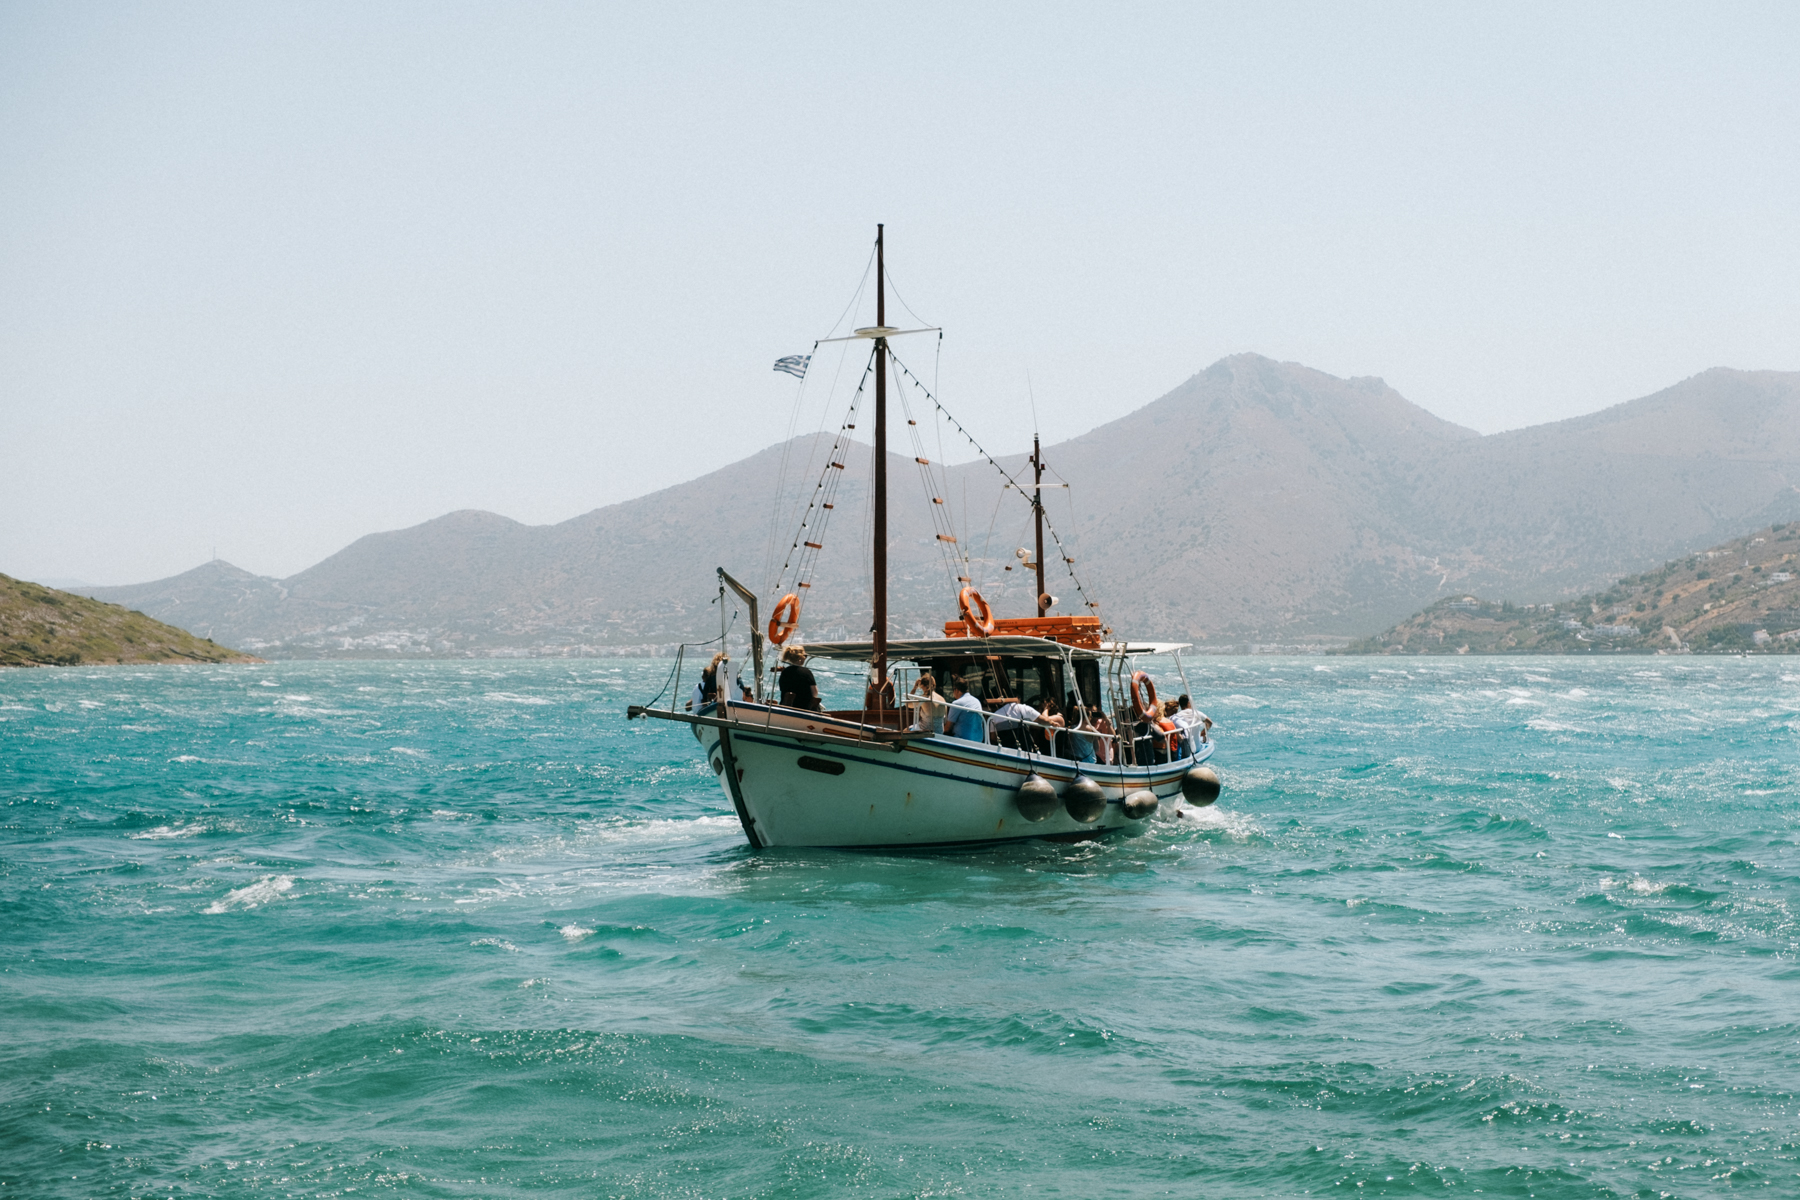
(1140, 804)
(1036, 797)
(1200, 786)
(1084, 800)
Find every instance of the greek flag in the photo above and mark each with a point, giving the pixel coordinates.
(794, 364)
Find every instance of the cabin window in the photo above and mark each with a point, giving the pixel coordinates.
(1011, 677)
(985, 678)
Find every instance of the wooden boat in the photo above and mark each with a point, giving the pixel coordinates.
(873, 777)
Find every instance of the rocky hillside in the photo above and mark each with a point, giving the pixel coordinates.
(1258, 502)
(1741, 596)
(41, 626)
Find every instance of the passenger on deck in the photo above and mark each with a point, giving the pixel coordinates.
(1147, 744)
(1105, 746)
(963, 718)
(796, 683)
(1055, 741)
(1082, 743)
(1194, 724)
(1171, 733)
(707, 690)
(931, 706)
(1011, 721)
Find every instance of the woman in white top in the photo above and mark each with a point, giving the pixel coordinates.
(929, 705)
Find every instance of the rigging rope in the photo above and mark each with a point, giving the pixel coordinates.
(943, 528)
(803, 551)
(776, 522)
(1049, 527)
(781, 473)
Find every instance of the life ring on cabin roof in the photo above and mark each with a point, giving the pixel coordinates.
(976, 611)
(783, 620)
(1142, 686)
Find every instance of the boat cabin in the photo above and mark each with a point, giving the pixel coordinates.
(1008, 667)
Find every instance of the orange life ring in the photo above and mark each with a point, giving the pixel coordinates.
(781, 627)
(976, 612)
(1140, 684)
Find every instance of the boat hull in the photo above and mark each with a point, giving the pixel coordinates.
(803, 780)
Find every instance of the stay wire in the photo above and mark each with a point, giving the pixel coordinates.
(903, 304)
(1049, 526)
(781, 474)
(803, 554)
(681, 648)
(943, 528)
(856, 296)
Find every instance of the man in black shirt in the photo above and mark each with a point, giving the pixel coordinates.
(798, 687)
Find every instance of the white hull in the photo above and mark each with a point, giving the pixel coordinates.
(808, 779)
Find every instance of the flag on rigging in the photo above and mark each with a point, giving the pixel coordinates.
(794, 364)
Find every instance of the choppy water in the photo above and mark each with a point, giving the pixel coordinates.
(1516, 927)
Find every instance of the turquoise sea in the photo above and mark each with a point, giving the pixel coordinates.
(1501, 927)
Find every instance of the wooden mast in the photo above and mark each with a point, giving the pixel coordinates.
(1037, 512)
(877, 698)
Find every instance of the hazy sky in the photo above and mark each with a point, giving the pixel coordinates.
(276, 276)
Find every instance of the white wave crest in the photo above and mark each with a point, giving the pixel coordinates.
(513, 698)
(575, 933)
(162, 832)
(1637, 885)
(1227, 821)
(269, 887)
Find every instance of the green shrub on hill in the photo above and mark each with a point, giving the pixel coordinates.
(41, 626)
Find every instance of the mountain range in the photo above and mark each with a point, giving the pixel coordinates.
(1258, 503)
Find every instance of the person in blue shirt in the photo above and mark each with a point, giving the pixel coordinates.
(963, 718)
(1081, 739)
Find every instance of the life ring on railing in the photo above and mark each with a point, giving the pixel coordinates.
(976, 611)
(784, 618)
(1141, 685)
